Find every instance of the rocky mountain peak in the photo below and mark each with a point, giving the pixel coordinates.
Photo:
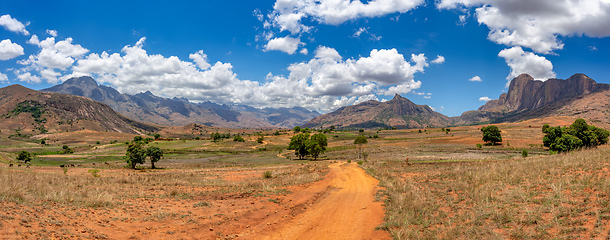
(84, 81)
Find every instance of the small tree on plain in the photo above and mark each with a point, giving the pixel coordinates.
(491, 134)
(155, 155)
(360, 141)
(297, 143)
(135, 154)
(316, 145)
(24, 156)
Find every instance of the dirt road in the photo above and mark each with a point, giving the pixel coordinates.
(347, 212)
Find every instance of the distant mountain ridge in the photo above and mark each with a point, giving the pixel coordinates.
(398, 112)
(578, 96)
(27, 112)
(147, 107)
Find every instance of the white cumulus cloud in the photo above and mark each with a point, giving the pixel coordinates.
(10, 50)
(285, 44)
(3, 78)
(439, 59)
(538, 24)
(520, 62)
(288, 15)
(485, 99)
(51, 32)
(475, 79)
(13, 25)
(52, 56)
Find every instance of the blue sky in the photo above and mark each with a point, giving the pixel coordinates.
(319, 55)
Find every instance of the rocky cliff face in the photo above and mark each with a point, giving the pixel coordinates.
(529, 98)
(525, 93)
(398, 112)
(147, 107)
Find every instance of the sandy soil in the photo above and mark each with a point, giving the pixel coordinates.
(349, 211)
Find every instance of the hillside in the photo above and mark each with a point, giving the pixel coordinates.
(577, 96)
(28, 112)
(398, 112)
(147, 107)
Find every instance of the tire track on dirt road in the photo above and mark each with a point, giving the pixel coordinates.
(347, 212)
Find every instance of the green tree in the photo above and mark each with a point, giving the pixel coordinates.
(360, 141)
(215, 136)
(297, 129)
(155, 154)
(138, 139)
(260, 139)
(491, 134)
(297, 143)
(24, 156)
(238, 138)
(579, 134)
(316, 145)
(67, 149)
(157, 136)
(135, 154)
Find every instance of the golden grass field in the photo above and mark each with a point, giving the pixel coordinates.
(433, 185)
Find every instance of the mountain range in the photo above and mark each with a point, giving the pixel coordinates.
(87, 105)
(29, 112)
(146, 107)
(578, 96)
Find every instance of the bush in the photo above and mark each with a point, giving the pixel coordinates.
(260, 139)
(524, 153)
(267, 174)
(359, 162)
(238, 138)
(576, 136)
(479, 146)
(24, 156)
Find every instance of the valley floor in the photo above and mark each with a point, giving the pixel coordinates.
(433, 184)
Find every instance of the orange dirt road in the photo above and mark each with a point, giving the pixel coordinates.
(349, 211)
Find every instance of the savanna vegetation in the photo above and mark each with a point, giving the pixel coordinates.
(437, 183)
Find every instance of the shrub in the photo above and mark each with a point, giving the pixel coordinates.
(576, 136)
(359, 162)
(260, 139)
(524, 153)
(238, 138)
(349, 161)
(94, 172)
(24, 156)
(479, 146)
(97, 142)
(267, 174)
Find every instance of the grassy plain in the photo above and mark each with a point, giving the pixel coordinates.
(437, 185)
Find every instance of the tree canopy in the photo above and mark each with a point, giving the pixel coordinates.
(304, 146)
(576, 136)
(491, 134)
(155, 154)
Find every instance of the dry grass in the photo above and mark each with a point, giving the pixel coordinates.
(29, 187)
(560, 196)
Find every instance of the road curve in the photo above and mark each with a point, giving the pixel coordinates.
(347, 212)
